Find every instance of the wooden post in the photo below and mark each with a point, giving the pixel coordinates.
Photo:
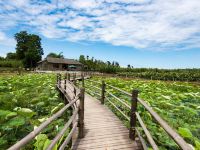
(133, 118)
(59, 85)
(68, 76)
(65, 83)
(81, 114)
(74, 92)
(103, 90)
(83, 82)
(74, 79)
(57, 78)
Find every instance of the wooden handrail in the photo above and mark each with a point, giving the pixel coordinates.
(93, 92)
(95, 87)
(67, 140)
(175, 136)
(147, 133)
(94, 81)
(71, 83)
(35, 132)
(125, 116)
(62, 132)
(141, 139)
(118, 89)
(128, 106)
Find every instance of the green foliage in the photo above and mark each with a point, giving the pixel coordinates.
(42, 142)
(15, 122)
(25, 102)
(161, 74)
(197, 144)
(178, 103)
(92, 64)
(28, 48)
(10, 63)
(98, 65)
(11, 56)
(57, 108)
(184, 132)
(82, 59)
(54, 55)
(25, 112)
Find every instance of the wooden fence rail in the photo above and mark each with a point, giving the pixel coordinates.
(135, 116)
(76, 105)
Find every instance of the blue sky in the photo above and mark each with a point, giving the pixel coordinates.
(143, 33)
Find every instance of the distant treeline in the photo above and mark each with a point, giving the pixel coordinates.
(162, 74)
(10, 62)
(113, 67)
(92, 64)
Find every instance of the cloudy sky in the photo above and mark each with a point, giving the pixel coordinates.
(143, 33)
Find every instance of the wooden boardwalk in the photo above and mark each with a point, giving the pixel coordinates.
(103, 130)
(95, 124)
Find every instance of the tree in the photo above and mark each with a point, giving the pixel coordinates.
(28, 48)
(113, 63)
(108, 62)
(82, 59)
(1, 58)
(11, 56)
(54, 55)
(117, 64)
(98, 65)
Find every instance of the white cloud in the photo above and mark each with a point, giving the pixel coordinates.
(147, 24)
(6, 41)
(84, 4)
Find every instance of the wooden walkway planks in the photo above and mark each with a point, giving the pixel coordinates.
(103, 130)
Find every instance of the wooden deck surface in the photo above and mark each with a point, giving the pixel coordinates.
(103, 130)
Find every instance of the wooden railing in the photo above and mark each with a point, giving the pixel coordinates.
(134, 114)
(75, 105)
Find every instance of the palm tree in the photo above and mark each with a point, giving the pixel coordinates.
(54, 55)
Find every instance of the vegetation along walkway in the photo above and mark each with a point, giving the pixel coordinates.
(93, 126)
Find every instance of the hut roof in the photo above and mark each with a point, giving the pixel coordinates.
(61, 61)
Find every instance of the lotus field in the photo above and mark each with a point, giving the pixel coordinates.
(178, 103)
(25, 102)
